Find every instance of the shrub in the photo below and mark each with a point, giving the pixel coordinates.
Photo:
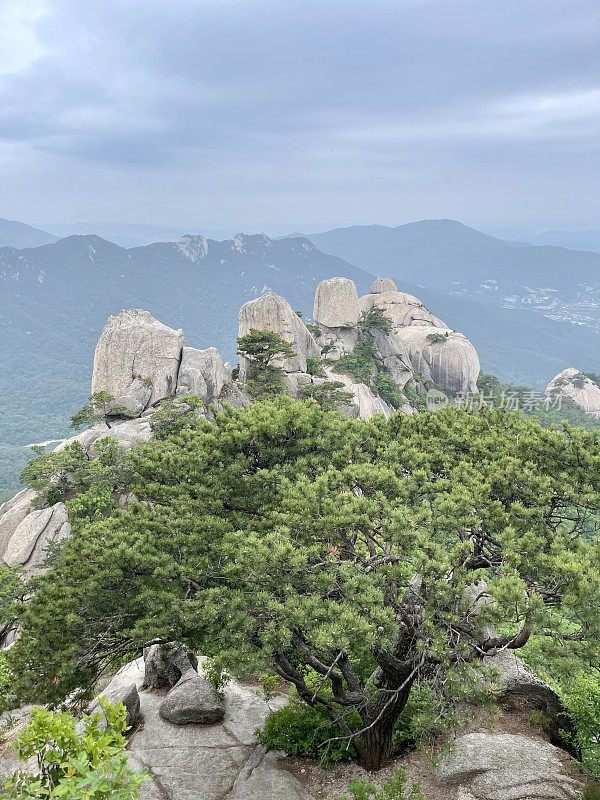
(175, 415)
(437, 338)
(76, 766)
(314, 329)
(394, 789)
(328, 395)
(7, 698)
(265, 379)
(389, 390)
(301, 730)
(360, 363)
(315, 367)
(376, 318)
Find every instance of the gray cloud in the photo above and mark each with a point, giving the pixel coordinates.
(301, 113)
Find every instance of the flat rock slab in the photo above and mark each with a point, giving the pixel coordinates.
(209, 762)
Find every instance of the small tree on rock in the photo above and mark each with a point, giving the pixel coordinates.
(261, 348)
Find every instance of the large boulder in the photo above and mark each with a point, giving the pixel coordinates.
(383, 285)
(12, 513)
(203, 373)
(445, 357)
(128, 695)
(401, 308)
(28, 544)
(507, 767)
(135, 345)
(336, 303)
(127, 434)
(193, 700)
(164, 664)
(574, 384)
(270, 312)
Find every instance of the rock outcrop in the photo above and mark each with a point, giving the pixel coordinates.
(401, 308)
(29, 542)
(336, 304)
(200, 762)
(12, 513)
(383, 285)
(135, 345)
(165, 664)
(445, 357)
(507, 767)
(575, 385)
(192, 701)
(270, 312)
(203, 373)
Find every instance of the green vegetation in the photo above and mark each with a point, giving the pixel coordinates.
(265, 379)
(314, 366)
(394, 789)
(375, 318)
(328, 395)
(549, 412)
(176, 414)
(101, 406)
(284, 538)
(437, 338)
(91, 765)
(361, 363)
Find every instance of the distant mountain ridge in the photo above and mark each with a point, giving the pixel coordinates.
(19, 235)
(56, 298)
(448, 256)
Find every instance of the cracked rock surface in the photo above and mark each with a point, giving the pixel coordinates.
(206, 762)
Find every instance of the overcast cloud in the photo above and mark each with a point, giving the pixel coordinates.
(300, 114)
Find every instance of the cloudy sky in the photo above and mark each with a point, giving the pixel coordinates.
(300, 114)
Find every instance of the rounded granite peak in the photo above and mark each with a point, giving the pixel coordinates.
(383, 285)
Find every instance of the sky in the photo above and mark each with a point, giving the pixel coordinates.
(287, 115)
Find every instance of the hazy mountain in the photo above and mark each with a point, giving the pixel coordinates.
(450, 257)
(574, 240)
(17, 234)
(131, 235)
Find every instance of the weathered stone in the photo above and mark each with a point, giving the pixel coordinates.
(394, 354)
(382, 285)
(192, 700)
(364, 403)
(164, 664)
(136, 345)
(583, 391)
(127, 433)
(401, 308)
(12, 513)
(445, 357)
(135, 398)
(193, 246)
(28, 544)
(336, 342)
(127, 694)
(507, 767)
(336, 303)
(270, 312)
(203, 373)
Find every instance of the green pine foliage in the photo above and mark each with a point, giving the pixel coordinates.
(360, 364)
(265, 379)
(284, 538)
(375, 318)
(329, 395)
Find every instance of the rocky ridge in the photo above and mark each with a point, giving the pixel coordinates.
(139, 361)
(578, 387)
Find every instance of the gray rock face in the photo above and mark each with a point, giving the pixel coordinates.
(128, 695)
(401, 308)
(192, 700)
(382, 285)
(136, 397)
(270, 312)
(164, 664)
(133, 344)
(338, 341)
(507, 767)
(202, 372)
(12, 513)
(572, 383)
(127, 434)
(364, 403)
(199, 762)
(336, 303)
(451, 362)
(27, 546)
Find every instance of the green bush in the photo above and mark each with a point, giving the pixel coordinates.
(328, 395)
(75, 766)
(7, 698)
(387, 388)
(376, 318)
(437, 338)
(361, 363)
(315, 367)
(174, 416)
(300, 730)
(394, 789)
